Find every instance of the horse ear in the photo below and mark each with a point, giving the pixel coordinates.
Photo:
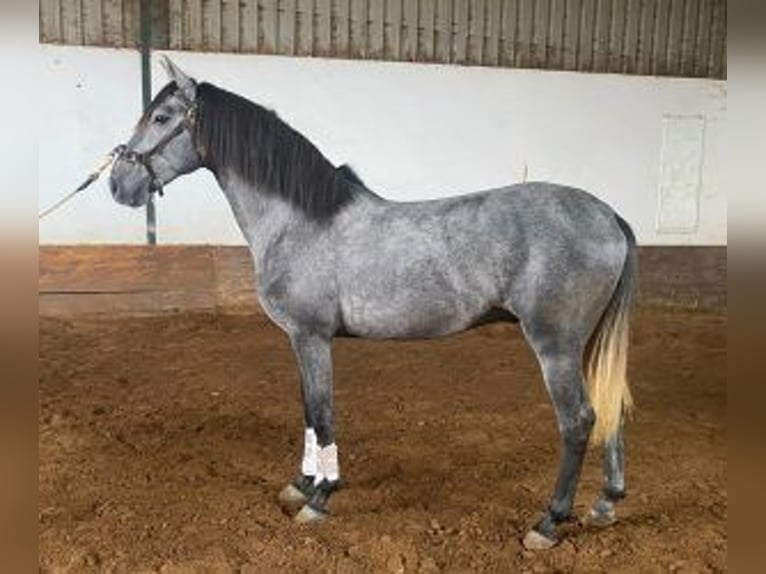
(187, 85)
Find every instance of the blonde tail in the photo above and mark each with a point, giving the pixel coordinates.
(607, 361)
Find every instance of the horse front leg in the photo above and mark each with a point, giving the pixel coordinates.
(320, 473)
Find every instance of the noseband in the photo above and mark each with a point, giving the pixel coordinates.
(144, 158)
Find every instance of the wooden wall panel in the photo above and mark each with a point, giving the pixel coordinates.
(286, 16)
(230, 26)
(427, 36)
(87, 280)
(585, 55)
(304, 24)
(377, 30)
(50, 21)
(323, 36)
(662, 37)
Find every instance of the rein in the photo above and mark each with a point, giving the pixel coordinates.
(83, 186)
(141, 158)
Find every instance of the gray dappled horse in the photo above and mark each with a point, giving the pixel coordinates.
(334, 259)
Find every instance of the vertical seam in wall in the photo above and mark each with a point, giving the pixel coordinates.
(666, 55)
(418, 29)
(649, 37)
(315, 27)
(655, 38)
(451, 39)
(101, 22)
(81, 11)
(594, 37)
(536, 48)
(517, 5)
(682, 40)
(623, 59)
(582, 16)
(219, 47)
(697, 34)
(60, 33)
(501, 35)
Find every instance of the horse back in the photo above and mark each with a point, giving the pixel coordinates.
(436, 267)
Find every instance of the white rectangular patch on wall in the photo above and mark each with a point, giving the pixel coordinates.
(683, 139)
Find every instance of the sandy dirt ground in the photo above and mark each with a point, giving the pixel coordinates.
(164, 442)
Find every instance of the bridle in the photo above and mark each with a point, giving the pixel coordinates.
(144, 158)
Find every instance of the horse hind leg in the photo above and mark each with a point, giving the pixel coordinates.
(560, 359)
(602, 513)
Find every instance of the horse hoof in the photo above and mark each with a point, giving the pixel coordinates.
(309, 515)
(291, 495)
(536, 541)
(600, 519)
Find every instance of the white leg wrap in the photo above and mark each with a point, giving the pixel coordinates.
(310, 452)
(327, 464)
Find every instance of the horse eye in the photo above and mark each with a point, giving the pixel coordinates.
(161, 119)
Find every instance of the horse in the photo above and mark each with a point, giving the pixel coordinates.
(334, 259)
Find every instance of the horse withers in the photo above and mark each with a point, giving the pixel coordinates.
(333, 259)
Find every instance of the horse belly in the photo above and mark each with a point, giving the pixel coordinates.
(410, 311)
(389, 320)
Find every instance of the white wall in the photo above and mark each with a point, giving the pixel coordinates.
(412, 131)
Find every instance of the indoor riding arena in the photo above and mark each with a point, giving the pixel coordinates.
(170, 405)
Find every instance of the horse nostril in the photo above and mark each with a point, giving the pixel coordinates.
(112, 186)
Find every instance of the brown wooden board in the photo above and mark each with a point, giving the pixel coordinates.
(193, 23)
(662, 25)
(230, 27)
(211, 25)
(71, 22)
(142, 279)
(509, 32)
(646, 36)
(410, 31)
(286, 35)
(572, 34)
(585, 55)
(269, 26)
(323, 34)
(113, 29)
(494, 32)
(632, 31)
(358, 28)
(460, 32)
(93, 22)
(304, 23)
(50, 21)
(524, 33)
(377, 29)
(393, 30)
(248, 21)
(176, 24)
(540, 30)
(476, 22)
(427, 36)
(717, 68)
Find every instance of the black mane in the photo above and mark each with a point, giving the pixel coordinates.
(259, 147)
(348, 172)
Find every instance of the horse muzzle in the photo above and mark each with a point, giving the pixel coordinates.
(130, 184)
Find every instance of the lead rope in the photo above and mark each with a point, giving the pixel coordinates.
(83, 186)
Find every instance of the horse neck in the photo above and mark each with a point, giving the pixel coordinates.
(263, 218)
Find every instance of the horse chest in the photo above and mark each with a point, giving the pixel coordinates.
(294, 300)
